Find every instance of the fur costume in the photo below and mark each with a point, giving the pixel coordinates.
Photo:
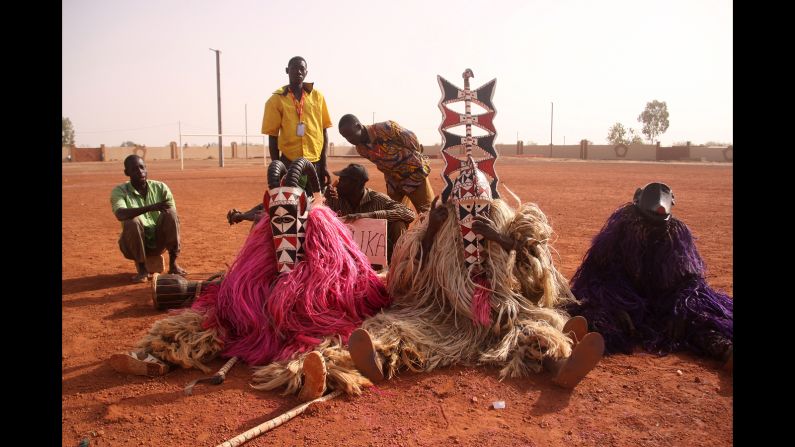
(643, 282)
(264, 310)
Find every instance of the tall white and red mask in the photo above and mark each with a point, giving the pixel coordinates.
(471, 191)
(288, 208)
(471, 195)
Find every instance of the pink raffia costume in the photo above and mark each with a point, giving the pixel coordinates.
(298, 280)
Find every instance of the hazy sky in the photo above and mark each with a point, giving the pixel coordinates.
(133, 70)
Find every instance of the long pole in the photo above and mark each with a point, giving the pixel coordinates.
(218, 88)
(246, 118)
(551, 119)
(181, 155)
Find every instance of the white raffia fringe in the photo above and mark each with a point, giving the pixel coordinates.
(341, 372)
(179, 338)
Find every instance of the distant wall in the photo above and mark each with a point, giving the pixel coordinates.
(565, 151)
(636, 152)
(190, 152)
(712, 153)
(645, 152)
(88, 153)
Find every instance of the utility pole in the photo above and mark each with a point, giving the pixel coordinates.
(218, 85)
(551, 119)
(373, 117)
(181, 151)
(246, 140)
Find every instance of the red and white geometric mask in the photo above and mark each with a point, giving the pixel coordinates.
(471, 194)
(287, 208)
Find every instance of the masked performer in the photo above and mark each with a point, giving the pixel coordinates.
(298, 278)
(643, 282)
(473, 283)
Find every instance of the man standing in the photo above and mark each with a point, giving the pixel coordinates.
(149, 219)
(395, 152)
(296, 119)
(351, 200)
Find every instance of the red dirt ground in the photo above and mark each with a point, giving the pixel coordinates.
(638, 400)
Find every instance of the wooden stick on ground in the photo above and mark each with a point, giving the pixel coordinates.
(275, 422)
(215, 379)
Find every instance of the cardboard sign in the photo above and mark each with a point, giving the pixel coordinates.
(370, 235)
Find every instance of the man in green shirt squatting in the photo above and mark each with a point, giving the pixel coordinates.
(149, 219)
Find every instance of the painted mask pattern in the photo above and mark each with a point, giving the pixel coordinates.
(288, 211)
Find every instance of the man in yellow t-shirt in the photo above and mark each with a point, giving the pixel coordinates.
(296, 119)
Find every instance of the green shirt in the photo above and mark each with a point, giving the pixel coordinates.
(126, 196)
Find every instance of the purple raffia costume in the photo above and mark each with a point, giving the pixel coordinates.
(643, 282)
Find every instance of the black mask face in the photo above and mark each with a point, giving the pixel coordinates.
(654, 201)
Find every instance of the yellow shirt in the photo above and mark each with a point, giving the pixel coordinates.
(281, 120)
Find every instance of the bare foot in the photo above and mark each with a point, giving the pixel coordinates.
(176, 270)
(141, 277)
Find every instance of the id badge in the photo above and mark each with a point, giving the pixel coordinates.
(299, 131)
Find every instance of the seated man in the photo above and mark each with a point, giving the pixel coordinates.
(395, 152)
(351, 200)
(149, 219)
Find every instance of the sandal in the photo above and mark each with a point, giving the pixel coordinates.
(314, 377)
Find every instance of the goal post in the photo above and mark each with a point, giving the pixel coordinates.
(221, 161)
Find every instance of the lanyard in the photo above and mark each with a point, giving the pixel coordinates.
(299, 106)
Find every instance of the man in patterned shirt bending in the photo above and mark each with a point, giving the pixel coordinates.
(395, 152)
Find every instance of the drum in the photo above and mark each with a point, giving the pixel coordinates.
(173, 291)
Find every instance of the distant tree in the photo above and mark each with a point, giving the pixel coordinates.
(716, 143)
(531, 143)
(654, 119)
(634, 138)
(618, 134)
(128, 144)
(67, 132)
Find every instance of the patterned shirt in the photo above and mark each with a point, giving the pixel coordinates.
(376, 205)
(397, 153)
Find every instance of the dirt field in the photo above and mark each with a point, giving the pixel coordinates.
(638, 400)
